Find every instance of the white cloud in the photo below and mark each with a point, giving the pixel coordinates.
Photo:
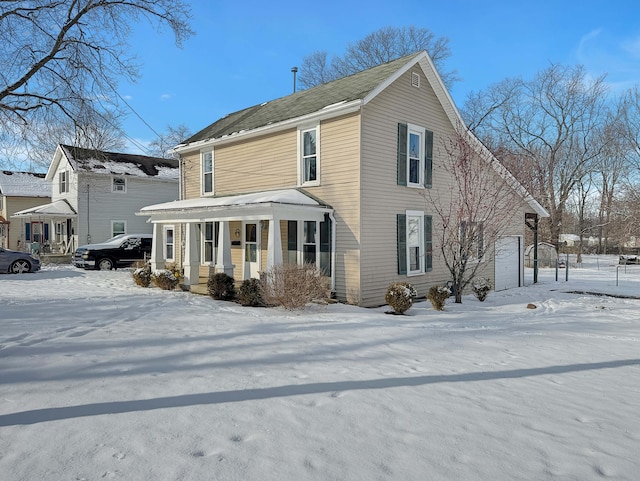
(164, 97)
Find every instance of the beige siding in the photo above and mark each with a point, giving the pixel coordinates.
(269, 162)
(399, 103)
(340, 187)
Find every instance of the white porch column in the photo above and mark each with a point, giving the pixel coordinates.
(191, 259)
(157, 259)
(274, 244)
(223, 258)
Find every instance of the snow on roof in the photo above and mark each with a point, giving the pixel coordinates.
(24, 184)
(285, 196)
(120, 163)
(58, 208)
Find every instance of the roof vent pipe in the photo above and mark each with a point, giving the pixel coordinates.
(294, 70)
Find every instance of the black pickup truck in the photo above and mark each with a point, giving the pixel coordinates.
(119, 251)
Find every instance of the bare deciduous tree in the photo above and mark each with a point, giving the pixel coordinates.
(381, 46)
(476, 212)
(553, 124)
(161, 146)
(61, 60)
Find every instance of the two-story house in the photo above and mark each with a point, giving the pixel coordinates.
(95, 195)
(335, 175)
(19, 191)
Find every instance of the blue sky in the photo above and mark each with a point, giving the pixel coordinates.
(243, 52)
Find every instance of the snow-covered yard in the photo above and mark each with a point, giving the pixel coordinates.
(100, 379)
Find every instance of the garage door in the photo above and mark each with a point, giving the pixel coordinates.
(508, 262)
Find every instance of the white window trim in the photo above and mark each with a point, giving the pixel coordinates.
(419, 214)
(416, 129)
(124, 222)
(66, 182)
(165, 228)
(301, 131)
(202, 172)
(113, 185)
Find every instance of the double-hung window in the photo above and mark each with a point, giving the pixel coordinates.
(210, 241)
(415, 249)
(472, 240)
(207, 172)
(309, 156)
(63, 182)
(415, 156)
(309, 242)
(169, 243)
(118, 227)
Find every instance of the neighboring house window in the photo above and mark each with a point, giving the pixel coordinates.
(207, 172)
(169, 243)
(63, 182)
(119, 184)
(415, 245)
(1, 200)
(415, 156)
(118, 227)
(309, 157)
(472, 239)
(27, 231)
(210, 241)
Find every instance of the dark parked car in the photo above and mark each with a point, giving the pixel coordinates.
(119, 251)
(16, 262)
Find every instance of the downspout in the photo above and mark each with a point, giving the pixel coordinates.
(88, 218)
(333, 252)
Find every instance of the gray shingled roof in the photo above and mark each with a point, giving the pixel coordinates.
(347, 89)
(119, 163)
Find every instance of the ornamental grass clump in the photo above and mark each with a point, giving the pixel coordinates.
(437, 295)
(221, 287)
(251, 293)
(400, 296)
(481, 288)
(142, 276)
(164, 279)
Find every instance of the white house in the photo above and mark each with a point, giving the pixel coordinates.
(95, 195)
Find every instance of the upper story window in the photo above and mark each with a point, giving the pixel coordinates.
(415, 156)
(63, 182)
(309, 156)
(207, 172)
(119, 184)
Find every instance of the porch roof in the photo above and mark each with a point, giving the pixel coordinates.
(274, 204)
(59, 208)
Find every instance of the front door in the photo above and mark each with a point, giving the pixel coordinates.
(251, 251)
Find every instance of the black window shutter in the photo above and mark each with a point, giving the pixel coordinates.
(428, 242)
(402, 154)
(428, 158)
(402, 243)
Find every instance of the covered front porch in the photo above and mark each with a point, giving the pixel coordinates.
(48, 228)
(242, 235)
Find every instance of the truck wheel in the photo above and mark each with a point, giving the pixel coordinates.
(105, 264)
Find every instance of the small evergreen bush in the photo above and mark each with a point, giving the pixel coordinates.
(164, 279)
(142, 276)
(400, 296)
(437, 295)
(250, 293)
(481, 288)
(221, 287)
